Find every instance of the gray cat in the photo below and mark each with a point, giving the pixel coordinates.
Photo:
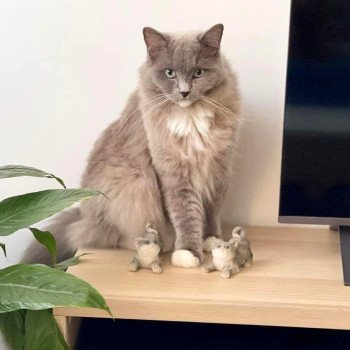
(244, 255)
(167, 159)
(148, 247)
(224, 258)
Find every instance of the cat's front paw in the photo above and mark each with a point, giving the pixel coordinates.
(156, 269)
(247, 264)
(184, 258)
(226, 274)
(206, 269)
(133, 267)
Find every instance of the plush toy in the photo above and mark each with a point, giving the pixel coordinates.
(208, 244)
(224, 254)
(148, 246)
(229, 256)
(244, 255)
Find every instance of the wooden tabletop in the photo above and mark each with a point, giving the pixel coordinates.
(296, 280)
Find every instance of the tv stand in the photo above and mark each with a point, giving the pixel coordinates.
(295, 281)
(344, 235)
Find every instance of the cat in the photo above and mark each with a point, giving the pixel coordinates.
(244, 255)
(148, 246)
(224, 258)
(168, 158)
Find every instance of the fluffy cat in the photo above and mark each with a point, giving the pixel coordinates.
(148, 247)
(167, 159)
(224, 258)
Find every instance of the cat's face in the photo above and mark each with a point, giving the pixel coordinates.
(183, 67)
(224, 250)
(148, 241)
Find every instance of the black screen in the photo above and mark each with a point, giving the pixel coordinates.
(315, 179)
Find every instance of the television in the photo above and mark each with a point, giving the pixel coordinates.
(315, 171)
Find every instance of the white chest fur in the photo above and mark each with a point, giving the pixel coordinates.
(192, 126)
(221, 261)
(148, 254)
(190, 121)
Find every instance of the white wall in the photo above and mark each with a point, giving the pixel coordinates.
(68, 66)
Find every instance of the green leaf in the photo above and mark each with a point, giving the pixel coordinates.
(12, 328)
(37, 287)
(63, 265)
(41, 332)
(27, 209)
(47, 239)
(3, 247)
(7, 171)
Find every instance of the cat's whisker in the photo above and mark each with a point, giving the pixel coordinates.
(150, 100)
(154, 108)
(225, 108)
(205, 99)
(165, 95)
(151, 109)
(217, 107)
(221, 106)
(226, 112)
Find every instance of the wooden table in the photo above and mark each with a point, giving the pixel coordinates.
(296, 281)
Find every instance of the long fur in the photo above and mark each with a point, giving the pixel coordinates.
(168, 159)
(59, 227)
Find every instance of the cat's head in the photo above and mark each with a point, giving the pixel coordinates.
(224, 250)
(150, 240)
(183, 66)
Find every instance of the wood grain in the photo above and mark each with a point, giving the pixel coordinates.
(296, 280)
(69, 327)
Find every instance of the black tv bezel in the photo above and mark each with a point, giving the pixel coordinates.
(308, 220)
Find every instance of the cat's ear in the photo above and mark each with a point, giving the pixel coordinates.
(155, 41)
(137, 241)
(236, 236)
(211, 39)
(216, 240)
(238, 231)
(233, 242)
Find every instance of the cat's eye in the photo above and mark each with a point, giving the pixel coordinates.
(198, 73)
(146, 242)
(169, 73)
(227, 247)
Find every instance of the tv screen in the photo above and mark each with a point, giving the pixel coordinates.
(315, 176)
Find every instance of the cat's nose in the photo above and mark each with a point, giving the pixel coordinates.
(185, 93)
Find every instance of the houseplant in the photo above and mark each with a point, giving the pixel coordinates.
(30, 291)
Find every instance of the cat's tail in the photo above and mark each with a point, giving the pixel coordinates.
(58, 226)
(238, 232)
